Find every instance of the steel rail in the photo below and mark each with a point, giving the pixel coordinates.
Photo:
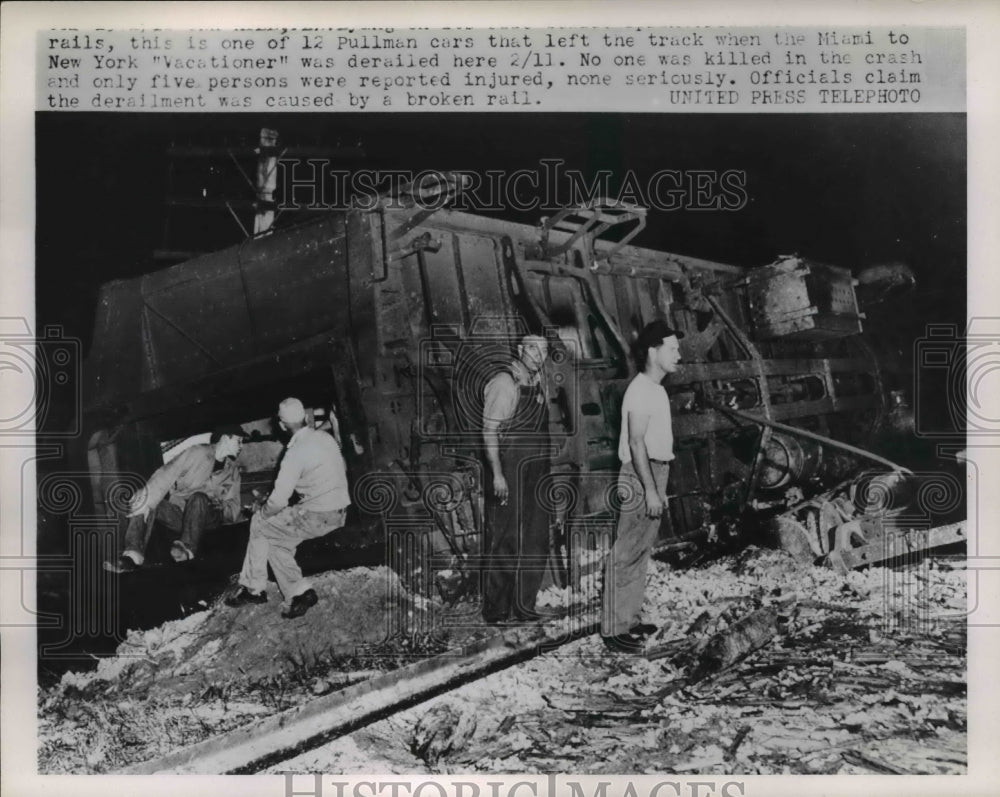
(260, 744)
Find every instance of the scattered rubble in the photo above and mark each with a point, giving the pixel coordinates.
(250, 644)
(863, 673)
(761, 665)
(216, 670)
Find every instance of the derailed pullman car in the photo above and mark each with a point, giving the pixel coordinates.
(395, 316)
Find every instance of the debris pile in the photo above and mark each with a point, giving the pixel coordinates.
(251, 644)
(762, 665)
(216, 670)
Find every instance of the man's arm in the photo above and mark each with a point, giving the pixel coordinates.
(229, 496)
(284, 485)
(500, 400)
(160, 483)
(638, 422)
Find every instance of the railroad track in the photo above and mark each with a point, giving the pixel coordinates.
(260, 744)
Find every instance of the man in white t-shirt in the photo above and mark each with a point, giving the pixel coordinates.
(645, 447)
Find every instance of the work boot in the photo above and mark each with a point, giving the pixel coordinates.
(643, 629)
(301, 604)
(624, 643)
(243, 596)
(125, 564)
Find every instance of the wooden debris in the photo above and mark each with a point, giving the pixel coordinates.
(252, 747)
(700, 625)
(815, 687)
(809, 603)
(741, 734)
(667, 649)
(747, 635)
(442, 730)
(858, 758)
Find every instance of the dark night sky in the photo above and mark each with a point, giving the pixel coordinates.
(853, 190)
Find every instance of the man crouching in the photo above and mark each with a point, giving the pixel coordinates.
(313, 467)
(196, 491)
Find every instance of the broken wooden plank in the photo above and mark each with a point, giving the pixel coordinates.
(810, 603)
(667, 649)
(858, 758)
(743, 637)
(741, 734)
(590, 704)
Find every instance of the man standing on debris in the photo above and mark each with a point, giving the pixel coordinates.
(313, 467)
(198, 489)
(645, 447)
(515, 422)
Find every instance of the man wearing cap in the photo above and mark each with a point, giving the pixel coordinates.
(515, 437)
(645, 448)
(313, 467)
(198, 489)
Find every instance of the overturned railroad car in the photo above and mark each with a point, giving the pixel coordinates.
(388, 320)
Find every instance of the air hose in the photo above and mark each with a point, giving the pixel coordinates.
(829, 441)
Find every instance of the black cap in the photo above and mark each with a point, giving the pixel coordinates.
(232, 429)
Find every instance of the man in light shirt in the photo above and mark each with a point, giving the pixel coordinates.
(313, 467)
(645, 447)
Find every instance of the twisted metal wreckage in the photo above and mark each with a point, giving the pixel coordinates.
(397, 315)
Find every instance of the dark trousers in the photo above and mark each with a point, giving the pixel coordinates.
(517, 541)
(199, 514)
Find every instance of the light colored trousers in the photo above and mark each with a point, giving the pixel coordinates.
(625, 567)
(273, 542)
